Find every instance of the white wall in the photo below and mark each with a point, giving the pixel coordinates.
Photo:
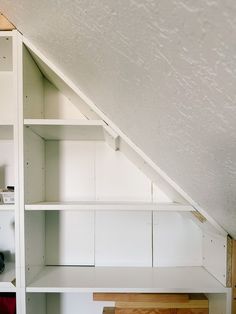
(163, 71)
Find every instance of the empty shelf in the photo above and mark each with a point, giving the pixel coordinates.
(108, 205)
(53, 129)
(125, 279)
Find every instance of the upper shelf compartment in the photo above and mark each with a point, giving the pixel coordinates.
(6, 60)
(46, 96)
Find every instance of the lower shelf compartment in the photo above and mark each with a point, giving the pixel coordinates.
(74, 303)
(7, 278)
(125, 279)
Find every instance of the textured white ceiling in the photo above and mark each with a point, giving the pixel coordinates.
(163, 71)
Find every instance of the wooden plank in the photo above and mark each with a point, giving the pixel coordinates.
(159, 311)
(141, 297)
(5, 25)
(199, 216)
(192, 311)
(144, 311)
(192, 304)
(234, 307)
(108, 310)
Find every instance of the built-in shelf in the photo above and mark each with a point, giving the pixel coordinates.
(56, 129)
(7, 278)
(4, 207)
(108, 205)
(125, 279)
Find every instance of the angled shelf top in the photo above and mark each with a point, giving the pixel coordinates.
(59, 129)
(7, 278)
(108, 205)
(125, 279)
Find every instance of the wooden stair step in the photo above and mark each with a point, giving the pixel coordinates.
(161, 311)
(141, 297)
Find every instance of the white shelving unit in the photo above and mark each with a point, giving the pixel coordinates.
(9, 213)
(89, 215)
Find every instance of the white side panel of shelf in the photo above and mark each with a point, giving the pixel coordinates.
(6, 56)
(215, 255)
(70, 171)
(7, 175)
(33, 88)
(6, 130)
(125, 279)
(37, 304)
(177, 241)
(70, 238)
(34, 163)
(7, 97)
(34, 243)
(123, 238)
(117, 178)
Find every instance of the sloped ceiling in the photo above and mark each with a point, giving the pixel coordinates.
(163, 71)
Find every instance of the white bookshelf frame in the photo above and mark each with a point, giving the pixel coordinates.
(62, 279)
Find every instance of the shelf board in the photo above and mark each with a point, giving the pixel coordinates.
(108, 205)
(4, 207)
(7, 278)
(59, 129)
(125, 279)
(6, 131)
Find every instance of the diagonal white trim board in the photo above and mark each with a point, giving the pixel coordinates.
(142, 159)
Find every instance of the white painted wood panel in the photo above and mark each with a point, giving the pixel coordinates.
(34, 167)
(126, 279)
(117, 178)
(7, 172)
(33, 88)
(7, 101)
(7, 235)
(57, 106)
(70, 238)
(159, 196)
(70, 171)
(6, 131)
(36, 304)
(54, 129)
(34, 243)
(6, 55)
(109, 205)
(123, 238)
(177, 241)
(215, 255)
